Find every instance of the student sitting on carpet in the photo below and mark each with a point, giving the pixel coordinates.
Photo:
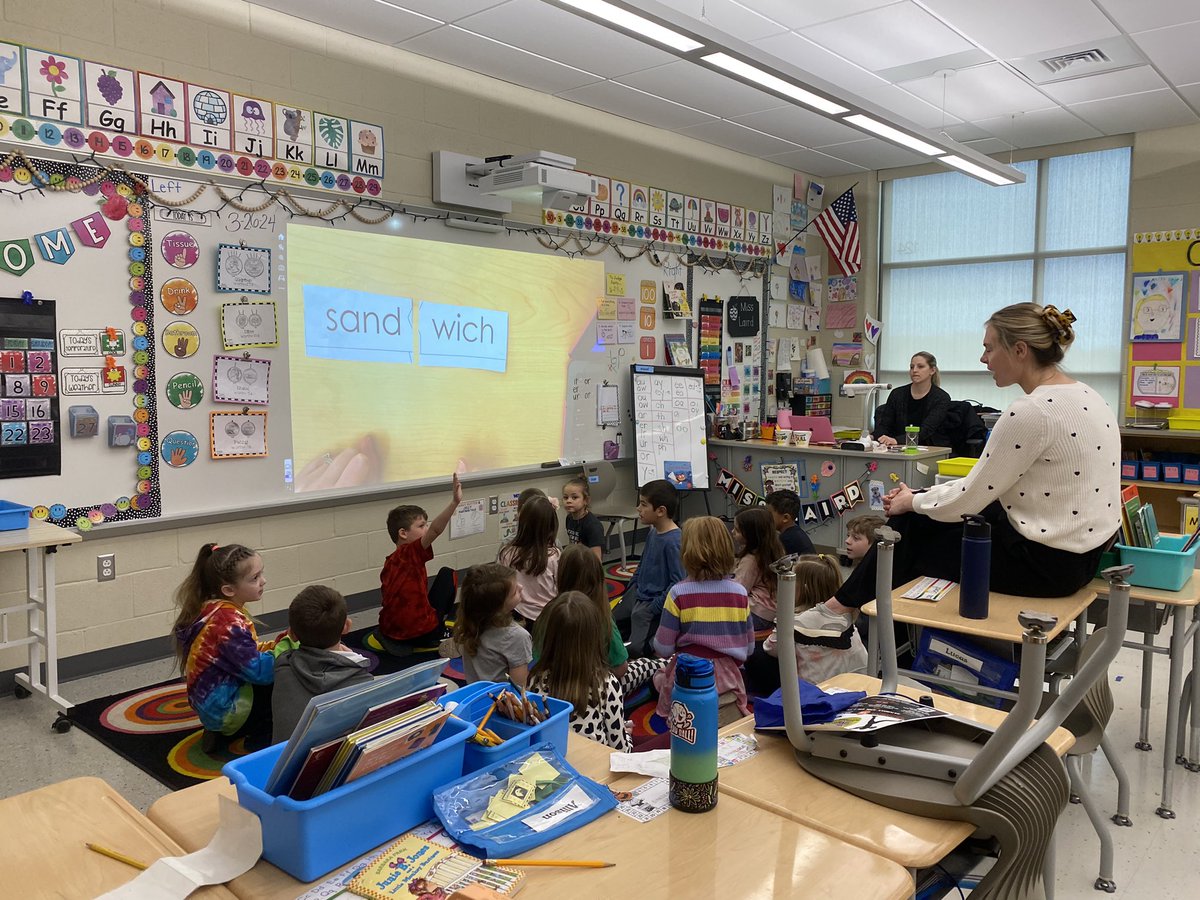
(228, 669)
(573, 666)
(413, 615)
(316, 620)
(493, 646)
(533, 553)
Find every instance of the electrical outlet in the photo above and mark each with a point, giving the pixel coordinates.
(106, 567)
(493, 505)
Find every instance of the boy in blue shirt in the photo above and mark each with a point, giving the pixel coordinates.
(660, 566)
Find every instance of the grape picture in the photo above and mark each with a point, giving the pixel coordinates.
(110, 87)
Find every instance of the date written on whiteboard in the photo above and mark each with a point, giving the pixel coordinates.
(236, 221)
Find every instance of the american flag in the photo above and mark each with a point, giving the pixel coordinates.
(838, 227)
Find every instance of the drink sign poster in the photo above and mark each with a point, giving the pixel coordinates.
(30, 438)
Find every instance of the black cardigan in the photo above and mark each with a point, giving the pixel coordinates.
(891, 418)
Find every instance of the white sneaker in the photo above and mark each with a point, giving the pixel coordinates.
(821, 621)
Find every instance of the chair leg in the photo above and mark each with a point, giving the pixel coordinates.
(1048, 869)
(1185, 707)
(1104, 882)
(1114, 761)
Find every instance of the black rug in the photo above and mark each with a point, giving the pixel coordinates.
(156, 729)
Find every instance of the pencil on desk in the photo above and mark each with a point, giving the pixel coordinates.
(567, 863)
(113, 854)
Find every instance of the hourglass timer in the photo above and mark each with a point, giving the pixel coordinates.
(910, 438)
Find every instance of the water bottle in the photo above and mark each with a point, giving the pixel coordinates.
(693, 721)
(976, 568)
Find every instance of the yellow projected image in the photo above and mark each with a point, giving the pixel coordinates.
(411, 359)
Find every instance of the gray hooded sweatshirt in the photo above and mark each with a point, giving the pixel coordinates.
(302, 674)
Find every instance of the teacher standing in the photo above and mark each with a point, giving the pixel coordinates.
(922, 403)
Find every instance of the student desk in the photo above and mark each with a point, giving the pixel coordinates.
(774, 781)
(1182, 605)
(738, 850)
(43, 833)
(40, 541)
(1000, 625)
(917, 470)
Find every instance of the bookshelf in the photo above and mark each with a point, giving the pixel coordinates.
(1140, 443)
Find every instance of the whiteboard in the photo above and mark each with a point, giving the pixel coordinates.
(93, 293)
(668, 409)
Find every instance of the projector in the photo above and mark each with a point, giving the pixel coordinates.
(537, 183)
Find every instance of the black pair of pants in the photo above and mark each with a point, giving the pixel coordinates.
(443, 591)
(1020, 566)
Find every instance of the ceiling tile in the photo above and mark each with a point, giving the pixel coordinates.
(637, 105)
(730, 16)
(1191, 93)
(1138, 15)
(735, 137)
(462, 48)
(802, 13)
(1025, 27)
(1107, 84)
(799, 126)
(875, 154)
(816, 163)
(446, 10)
(563, 36)
(892, 36)
(989, 146)
(374, 21)
(1173, 50)
(1038, 128)
(980, 93)
(701, 88)
(1136, 112)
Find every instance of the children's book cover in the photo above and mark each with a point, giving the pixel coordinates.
(413, 867)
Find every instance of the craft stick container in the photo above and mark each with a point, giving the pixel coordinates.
(473, 703)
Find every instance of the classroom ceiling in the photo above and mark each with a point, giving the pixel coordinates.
(972, 68)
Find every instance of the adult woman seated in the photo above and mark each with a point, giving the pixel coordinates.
(1048, 481)
(922, 403)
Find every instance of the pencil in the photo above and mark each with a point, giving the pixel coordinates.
(113, 854)
(567, 863)
(489, 714)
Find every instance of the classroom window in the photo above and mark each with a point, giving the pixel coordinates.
(953, 250)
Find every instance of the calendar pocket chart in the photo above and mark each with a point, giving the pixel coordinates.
(29, 424)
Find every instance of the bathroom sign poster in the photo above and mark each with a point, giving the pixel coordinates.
(248, 324)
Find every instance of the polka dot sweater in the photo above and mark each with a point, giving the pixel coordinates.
(1053, 462)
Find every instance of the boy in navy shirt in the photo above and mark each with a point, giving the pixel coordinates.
(785, 510)
(660, 566)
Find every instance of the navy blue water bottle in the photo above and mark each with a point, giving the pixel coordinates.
(976, 572)
(693, 721)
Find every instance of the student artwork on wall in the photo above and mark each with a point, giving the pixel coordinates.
(242, 269)
(234, 435)
(246, 324)
(241, 379)
(1157, 385)
(1158, 304)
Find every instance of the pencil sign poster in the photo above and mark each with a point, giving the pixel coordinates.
(249, 325)
(237, 435)
(240, 379)
(30, 438)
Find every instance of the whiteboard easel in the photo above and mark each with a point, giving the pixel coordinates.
(668, 419)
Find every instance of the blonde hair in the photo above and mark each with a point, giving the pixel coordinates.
(1046, 331)
(817, 578)
(706, 549)
(936, 377)
(574, 650)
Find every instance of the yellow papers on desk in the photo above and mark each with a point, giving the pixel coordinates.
(412, 859)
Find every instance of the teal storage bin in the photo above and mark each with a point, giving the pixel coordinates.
(13, 516)
(308, 838)
(1162, 566)
(473, 703)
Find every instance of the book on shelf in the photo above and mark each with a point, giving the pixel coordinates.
(414, 867)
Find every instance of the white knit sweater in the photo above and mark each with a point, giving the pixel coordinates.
(1053, 461)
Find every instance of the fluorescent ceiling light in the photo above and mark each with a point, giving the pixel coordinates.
(773, 83)
(978, 171)
(895, 135)
(622, 18)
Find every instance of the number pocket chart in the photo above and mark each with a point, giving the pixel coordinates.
(240, 379)
(668, 418)
(29, 426)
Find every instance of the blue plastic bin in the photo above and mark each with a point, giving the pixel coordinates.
(13, 516)
(1161, 566)
(308, 838)
(473, 704)
(950, 655)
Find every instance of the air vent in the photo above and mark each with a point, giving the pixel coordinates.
(1080, 61)
(1085, 58)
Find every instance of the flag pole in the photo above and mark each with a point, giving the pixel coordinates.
(783, 246)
